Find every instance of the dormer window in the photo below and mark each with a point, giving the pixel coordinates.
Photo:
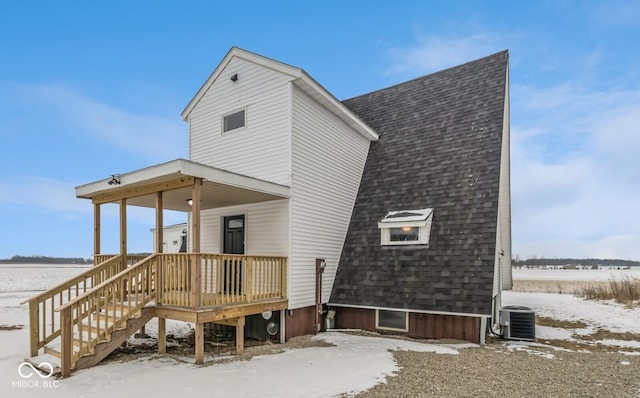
(406, 227)
(233, 121)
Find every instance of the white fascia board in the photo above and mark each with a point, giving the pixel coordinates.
(409, 215)
(203, 89)
(186, 168)
(336, 107)
(295, 73)
(133, 177)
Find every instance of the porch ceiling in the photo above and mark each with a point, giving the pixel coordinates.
(175, 178)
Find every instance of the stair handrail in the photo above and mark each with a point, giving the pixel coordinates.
(137, 280)
(40, 335)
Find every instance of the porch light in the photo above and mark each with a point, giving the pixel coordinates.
(115, 179)
(190, 202)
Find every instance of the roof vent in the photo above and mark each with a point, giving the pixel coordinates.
(518, 323)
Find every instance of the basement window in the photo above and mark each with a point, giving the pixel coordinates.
(233, 121)
(392, 320)
(406, 227)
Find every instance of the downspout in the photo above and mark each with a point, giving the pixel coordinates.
(320, 265)
(497, 299)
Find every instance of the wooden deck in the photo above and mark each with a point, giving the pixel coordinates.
(82, 320)
(220, 313)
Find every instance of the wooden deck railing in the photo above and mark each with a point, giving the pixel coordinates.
(101, 258)
(131, 258)
(91, 317)
(44, 325)
(86, 309)
(224, 279)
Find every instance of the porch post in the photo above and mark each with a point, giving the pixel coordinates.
(96, 230)
(123, 233)
(162, 335)
(195, 243)
(196, 266)
(199, 342)
(159, 245)
(162, 339)
(159, 223)
(240, 336)
(66, 334)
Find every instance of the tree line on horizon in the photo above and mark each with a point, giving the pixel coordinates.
(45, 260)
(535, 261)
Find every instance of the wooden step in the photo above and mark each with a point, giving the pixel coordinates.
(110, 315)
(54, 349)
(123, 304)
(38, 363)
(93, 325)
(119, 336)
(102, 339)
(110, 312)
(51, 351)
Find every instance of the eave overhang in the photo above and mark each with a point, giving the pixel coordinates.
(175, 179)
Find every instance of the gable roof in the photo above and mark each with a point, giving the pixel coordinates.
(298, 76)
(439, 147)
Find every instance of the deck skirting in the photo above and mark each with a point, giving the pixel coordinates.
(218, 314)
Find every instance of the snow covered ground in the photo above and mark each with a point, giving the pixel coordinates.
(574, 274)
(609, 316)
(354, 363)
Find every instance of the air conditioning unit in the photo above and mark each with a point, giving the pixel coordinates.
(518, 323)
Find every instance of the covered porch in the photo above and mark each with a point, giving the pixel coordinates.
(196, 287)
(95, 312)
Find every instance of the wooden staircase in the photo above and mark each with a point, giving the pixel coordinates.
(106, 342)
(115, 339)
(87, 328)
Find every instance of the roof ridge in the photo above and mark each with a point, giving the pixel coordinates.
(478, 60)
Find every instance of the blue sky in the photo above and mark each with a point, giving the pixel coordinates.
(88, 89)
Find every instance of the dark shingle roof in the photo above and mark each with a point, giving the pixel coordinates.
(439, 147)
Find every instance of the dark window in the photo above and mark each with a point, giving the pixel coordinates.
(392, 319)
(233, 121)
(235, 222)
(403, 234)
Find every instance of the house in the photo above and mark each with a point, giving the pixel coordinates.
(391, 208)
(174, 238)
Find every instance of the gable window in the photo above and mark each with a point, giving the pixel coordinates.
(406, 227)
(233, 121)
(392, 320)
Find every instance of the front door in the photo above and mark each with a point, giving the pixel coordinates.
(234, 235)
(233, 242)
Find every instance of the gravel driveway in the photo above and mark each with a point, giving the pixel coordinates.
(499, 370)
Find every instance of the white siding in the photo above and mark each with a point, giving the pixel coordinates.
(261, 148)
(266, 228)
(328, 160)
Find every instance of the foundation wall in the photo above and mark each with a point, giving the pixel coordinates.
(425, 326)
